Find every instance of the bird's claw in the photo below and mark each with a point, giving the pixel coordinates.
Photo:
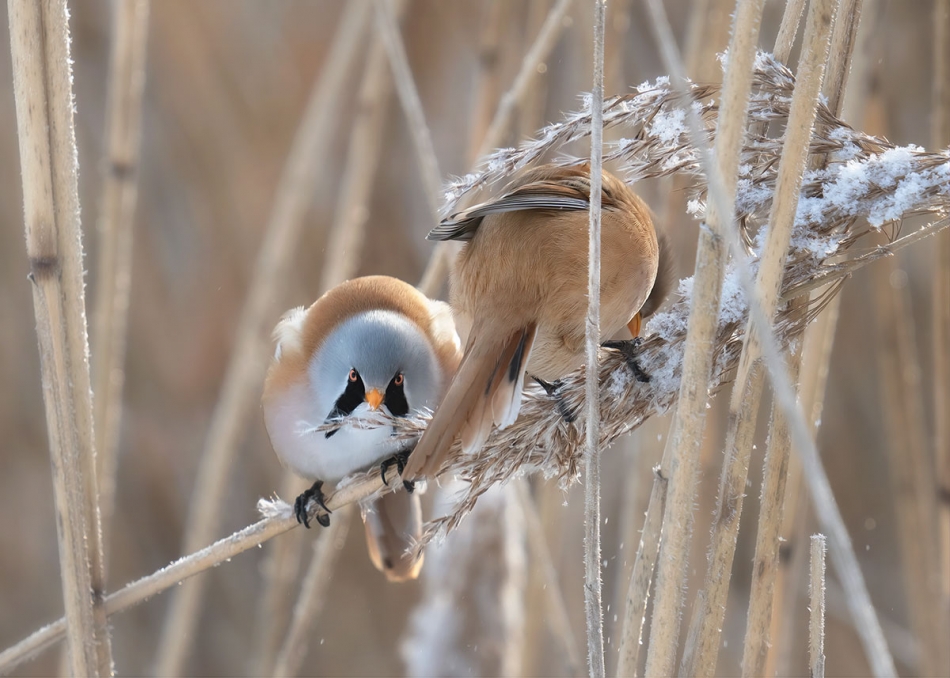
(554, 390)
(630, 349)
(315, 493)
(398, 460)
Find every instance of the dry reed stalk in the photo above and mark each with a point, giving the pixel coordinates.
(42, 77)
(312, 596)
(940, 138)
(694, 46)
(710, 605)
(788, 29)
(640, 579)
(765, 563)
(557, 617)
(593, 584)
(816, 617)
(246, 366)
(278, 518)
(439, 263)
(531, 109)
(911, 472)
(684, 441)
(341, 262)
(116, 216)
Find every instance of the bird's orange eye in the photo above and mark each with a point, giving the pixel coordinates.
(353, 375)
(398, 379)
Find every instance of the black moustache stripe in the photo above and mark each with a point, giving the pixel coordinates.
(353, 395)
(395, 399)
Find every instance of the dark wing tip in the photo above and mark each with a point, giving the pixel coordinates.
(456, 227)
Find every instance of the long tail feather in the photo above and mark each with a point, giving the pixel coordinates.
(393, 528)
(486, 389)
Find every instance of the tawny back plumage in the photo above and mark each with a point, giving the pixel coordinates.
(519, 295)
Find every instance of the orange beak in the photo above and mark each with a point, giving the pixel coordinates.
(634, 326)
(374, 398)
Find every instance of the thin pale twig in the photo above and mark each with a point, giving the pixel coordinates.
(593, 585)
(816, 617)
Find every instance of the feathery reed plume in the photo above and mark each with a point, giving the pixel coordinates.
(867, 179)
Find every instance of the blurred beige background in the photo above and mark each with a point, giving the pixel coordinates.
(226, 84)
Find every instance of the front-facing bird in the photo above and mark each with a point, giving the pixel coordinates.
(370, 344)
(519, 295)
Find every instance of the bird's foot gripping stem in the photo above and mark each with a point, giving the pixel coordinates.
(554, 390)
(630, 349)
(399, 461)
(315, 493)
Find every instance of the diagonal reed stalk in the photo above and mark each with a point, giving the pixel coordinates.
(683, 444)
(116, 216)
(246, 366)
(42, 77)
